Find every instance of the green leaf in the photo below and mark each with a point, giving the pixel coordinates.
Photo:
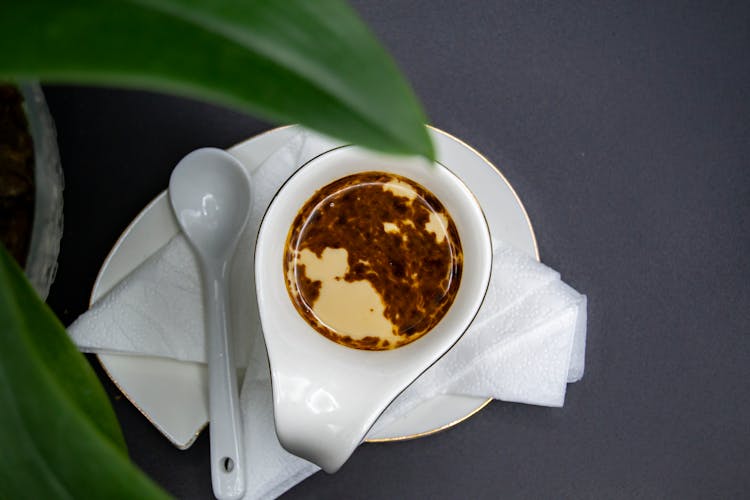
(59, 435)
(307, 61)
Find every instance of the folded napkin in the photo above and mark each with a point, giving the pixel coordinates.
(525, 345)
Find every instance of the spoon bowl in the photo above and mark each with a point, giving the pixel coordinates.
(210, 195)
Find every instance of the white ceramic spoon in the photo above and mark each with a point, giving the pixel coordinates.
(210, 196)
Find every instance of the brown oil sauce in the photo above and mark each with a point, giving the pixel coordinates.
(382, 237)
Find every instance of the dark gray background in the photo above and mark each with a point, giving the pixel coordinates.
(625, 129)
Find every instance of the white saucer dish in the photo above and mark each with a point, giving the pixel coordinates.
(172, 395)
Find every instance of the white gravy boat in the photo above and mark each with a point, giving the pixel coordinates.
(327, 396)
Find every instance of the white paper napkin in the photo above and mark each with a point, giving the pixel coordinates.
(525, 345)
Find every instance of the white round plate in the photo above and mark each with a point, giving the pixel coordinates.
(172, 395)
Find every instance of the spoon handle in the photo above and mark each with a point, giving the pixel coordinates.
(227, 460)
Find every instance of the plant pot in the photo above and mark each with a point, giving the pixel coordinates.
(33, 197)
(41, 263)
